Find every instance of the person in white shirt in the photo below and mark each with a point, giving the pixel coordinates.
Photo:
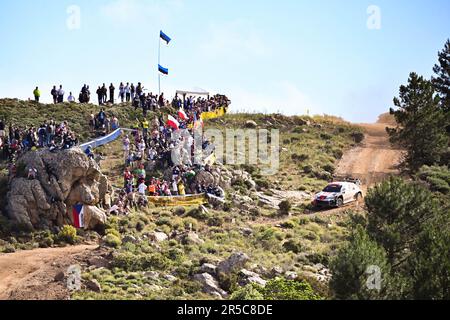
(128, 92)
(142, 188)
(71, 98)
(61, 94)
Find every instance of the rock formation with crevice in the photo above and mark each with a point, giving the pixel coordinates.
(64, 178)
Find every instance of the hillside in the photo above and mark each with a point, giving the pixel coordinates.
(144, 264)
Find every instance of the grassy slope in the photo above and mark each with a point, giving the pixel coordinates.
(311, 239)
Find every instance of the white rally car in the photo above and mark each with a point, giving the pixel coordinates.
(337, 194)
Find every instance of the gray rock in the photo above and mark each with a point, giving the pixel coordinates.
(291, 275)
(234, 263)
(208, 268)
(210, 285)
(68, 176)
(158, 237)
(152, 275)
(247, 277)
(192, 238)
(170, 278)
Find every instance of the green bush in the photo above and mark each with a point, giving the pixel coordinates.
(293, 246)
(198, 214)
(338, 153)
(249, 292)
(112, 241)
(308, 169)
(282, 289)
(285, 207)
(68, 234)
(358, 137)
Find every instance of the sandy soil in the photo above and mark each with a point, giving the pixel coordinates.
(29, 275)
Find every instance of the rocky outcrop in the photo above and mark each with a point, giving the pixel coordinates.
(210, 285)
(234, 263)
(64, 178)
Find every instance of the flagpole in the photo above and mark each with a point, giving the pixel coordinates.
(159, 63)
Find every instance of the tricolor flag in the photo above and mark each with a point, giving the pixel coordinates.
(78, 216)
(163, 70)
(173, 123)
(198, 122)
(164, 37)
(183, 116)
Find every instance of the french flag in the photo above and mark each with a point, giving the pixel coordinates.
(78, 216)
(183, 116)
(173, 123)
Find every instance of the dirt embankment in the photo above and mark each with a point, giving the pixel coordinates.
(29, 275)
(374, 160)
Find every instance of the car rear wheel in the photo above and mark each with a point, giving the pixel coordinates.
(339, 202)
(358, 197)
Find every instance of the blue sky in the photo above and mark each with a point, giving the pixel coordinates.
(288, 56)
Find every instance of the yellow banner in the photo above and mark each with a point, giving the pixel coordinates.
(220, 112)
(179, 201)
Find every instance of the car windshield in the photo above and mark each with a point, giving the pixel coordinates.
(333, 188)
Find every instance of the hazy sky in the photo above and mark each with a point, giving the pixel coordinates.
(288, 56)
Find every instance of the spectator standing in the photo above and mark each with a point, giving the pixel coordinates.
(128, 92)
(71, 98)
(37, 94)
(111, 93)
(54, 94)
(122, 92)
(61, 94)
(100, 96)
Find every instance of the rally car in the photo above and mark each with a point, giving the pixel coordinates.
(337, 194)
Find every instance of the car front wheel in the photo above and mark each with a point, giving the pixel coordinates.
(339, 202)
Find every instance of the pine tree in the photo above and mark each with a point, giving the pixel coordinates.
(429, 266)
(397, 211)
(421, 129)
(441, 81)
(350, 266)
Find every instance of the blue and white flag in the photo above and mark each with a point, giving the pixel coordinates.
(165, 37)
(163, 70)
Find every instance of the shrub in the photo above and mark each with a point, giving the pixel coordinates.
(329, 168)
(112, 241)
(338, 153)
(326, 136)
(282, 289)
(358, 137)
(249, 292)
(307, 169)
(293, 246)
(300, 157)
(288, 225)
(198, 214)
(68, 234)
(215, 221)
(179, 211)
(285, 207)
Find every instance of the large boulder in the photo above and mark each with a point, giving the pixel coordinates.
(210, 285)
(234, 263)
(64, 178)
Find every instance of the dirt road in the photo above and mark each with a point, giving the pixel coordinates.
(374, 160)
(29, 275)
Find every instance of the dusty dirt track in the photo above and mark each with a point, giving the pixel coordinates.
(29, 275)
(374, 160)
